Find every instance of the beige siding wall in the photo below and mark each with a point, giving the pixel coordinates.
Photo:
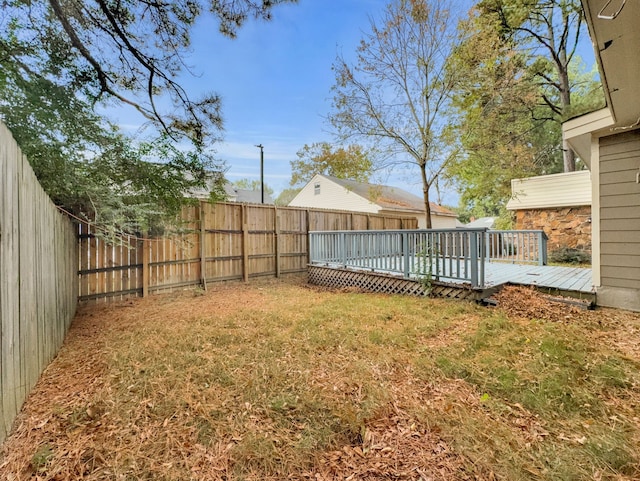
(443, 222)
(548, 191)
(620, 217)
(331, 196)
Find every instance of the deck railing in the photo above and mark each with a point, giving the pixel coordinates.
(447, 254)
(457, 255)
(516, 246)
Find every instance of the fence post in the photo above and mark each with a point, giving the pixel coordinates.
(307, 228)
(276, 228)
(245, 245)
(203, 251)
(145, 266)
(473, 257)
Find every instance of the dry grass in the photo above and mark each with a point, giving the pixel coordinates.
(277, 380)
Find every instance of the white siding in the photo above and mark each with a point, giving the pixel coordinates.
(548, 191)
(331, 196)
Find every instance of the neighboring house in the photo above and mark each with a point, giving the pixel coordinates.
(326, 192)
(235, 195)
(481, 223)
(246, 196)
(608, 141)
(558, 204)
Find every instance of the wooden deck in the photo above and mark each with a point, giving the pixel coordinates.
(568, 279)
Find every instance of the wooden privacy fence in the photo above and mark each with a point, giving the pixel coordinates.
(38, 279)
(221, 242)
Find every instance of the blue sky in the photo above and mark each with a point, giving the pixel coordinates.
(275, 81)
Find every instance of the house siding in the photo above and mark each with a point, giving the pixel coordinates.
(331, 196)
(558, 204)
(568, 189)
(620, 220)
(443, 222)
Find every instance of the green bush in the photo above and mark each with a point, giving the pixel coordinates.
(569, 255)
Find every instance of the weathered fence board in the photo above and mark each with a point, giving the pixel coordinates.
(219, 242)
(38, 279)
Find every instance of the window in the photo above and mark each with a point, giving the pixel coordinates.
(316, 188)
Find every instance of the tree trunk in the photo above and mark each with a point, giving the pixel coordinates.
(425, 194)
(568, 155)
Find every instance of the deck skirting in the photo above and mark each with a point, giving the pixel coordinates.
(342, 278)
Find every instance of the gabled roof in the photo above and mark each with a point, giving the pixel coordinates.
(391, 198)
(251, 196)
(233, 194)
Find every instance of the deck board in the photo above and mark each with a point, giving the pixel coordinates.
(555, 277)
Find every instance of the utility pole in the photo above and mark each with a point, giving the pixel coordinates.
(261, 147)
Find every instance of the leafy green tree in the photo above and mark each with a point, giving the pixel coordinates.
(548, 32)
(286, 196)
(397, 92)
(252, 185)
(60, 61)
(493, 108)
(128, 52)
(509, 131)
(351, 162)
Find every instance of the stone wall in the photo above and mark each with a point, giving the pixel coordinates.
(564, 226)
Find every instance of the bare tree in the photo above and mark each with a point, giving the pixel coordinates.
(397, 92)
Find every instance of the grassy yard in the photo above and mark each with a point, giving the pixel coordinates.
(278, 380)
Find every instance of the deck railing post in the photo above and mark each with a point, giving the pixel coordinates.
(343, 248)
(473, 257)
(405, 253)
(312, 247)
(542, 246)
(483, 238)
(488, 243)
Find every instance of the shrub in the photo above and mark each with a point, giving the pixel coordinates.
(569, 255)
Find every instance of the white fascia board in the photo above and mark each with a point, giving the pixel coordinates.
(577, 132)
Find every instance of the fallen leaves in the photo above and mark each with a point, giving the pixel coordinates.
(87, 420)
